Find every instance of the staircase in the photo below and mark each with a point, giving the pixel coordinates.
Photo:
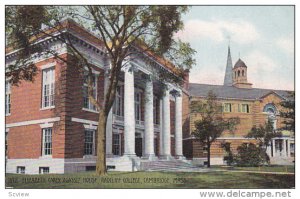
(168, 165)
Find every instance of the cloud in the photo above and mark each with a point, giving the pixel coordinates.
(242, 32)
(258, 62)
(207, 75)
(286, 44)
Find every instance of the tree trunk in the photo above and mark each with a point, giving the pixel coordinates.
(101, 149)
(208, 155)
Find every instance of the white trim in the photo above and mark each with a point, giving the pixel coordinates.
(49, 65)
(46, 125)
(30, 122)
(90, 126)
(47, 108)
(7, 130)
(90, 110)
(74, 119)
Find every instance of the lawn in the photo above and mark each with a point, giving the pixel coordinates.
(161, 180)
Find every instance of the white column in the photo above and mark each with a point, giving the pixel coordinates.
(149, 126)
(288, 148)
(273, 143)
(166, 126)
(178, 125)
(129, 118)
(161, 145)
(284, 147)
(268, 150)
(109, 134)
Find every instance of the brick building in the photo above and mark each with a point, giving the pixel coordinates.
(51, 124)
(254, 106)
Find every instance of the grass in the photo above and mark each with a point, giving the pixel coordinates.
(164, 180)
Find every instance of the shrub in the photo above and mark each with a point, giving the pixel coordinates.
(249, 155)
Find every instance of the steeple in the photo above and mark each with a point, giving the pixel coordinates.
(228, 72)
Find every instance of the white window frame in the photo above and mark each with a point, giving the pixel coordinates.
(137, 104)
(119, 144)
(155, 110)
(245, 108)
(227, 109)
(42, 170)
(118, 108)
(90, 106)
(21, 169)
(7, 98)
(93, 142)
(48, 80)
(44, 143)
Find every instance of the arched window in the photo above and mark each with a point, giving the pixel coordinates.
(243, 74)
(239, 73)
(270, 109)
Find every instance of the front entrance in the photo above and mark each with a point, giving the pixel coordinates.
(139, 146)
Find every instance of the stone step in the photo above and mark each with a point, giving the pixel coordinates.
(167, 165)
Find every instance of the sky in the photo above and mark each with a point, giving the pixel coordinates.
(262, 36)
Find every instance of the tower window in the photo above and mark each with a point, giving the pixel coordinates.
(239, 73)
(243, 73)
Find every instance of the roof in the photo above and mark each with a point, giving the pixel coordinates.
(231, 92)
(240, 63)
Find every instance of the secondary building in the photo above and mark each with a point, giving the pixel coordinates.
(254, 107)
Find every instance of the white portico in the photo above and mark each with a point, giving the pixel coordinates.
(139, 126)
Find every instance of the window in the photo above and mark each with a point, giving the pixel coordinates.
(116, 144)
(7, 97)
(137, 106)
(47, 141)
(239, 73)
(44, 170)
(6, 145)
(243, 73)
(86, 102)
(227, 107)
(21, 169)
(89, 137)
(118, 108)
(48, 87)
(155, 110)
(244, 108)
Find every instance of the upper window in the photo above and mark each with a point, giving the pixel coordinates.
(137, 103)
(118, 108)
(89, 138)
(86, 102)
(244, 108)
(227, 107)
(48, 88)
(156, 110)
(7, 97)
(47, 141)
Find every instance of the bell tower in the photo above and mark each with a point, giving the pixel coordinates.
(239, 73)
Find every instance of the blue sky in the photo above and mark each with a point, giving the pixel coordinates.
(262, 35)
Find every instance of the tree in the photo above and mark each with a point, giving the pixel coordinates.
(125, 31)
(212, 123)
(288, 112)
(264, 135)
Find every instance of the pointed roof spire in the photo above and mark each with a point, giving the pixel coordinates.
(228, 71)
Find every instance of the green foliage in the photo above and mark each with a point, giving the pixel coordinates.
(288, 112)
(22, 23)
(250, 155)
(229, 157)
(264, 134)
(211, 124)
